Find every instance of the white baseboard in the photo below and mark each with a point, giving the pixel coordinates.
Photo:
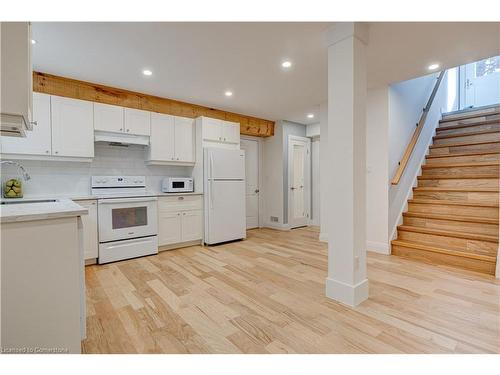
(351, 295)
(323, 237)
(277, 226)
(378, 247)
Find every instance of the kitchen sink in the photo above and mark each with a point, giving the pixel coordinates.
(28, 201)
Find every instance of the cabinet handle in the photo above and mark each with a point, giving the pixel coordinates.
(128, 130)
(179, 214)
(121, 129)
(183, 214)
(177, 158)
(47, 151)
(34, 122)
(224, 138)
(57, 152)
(181, 198)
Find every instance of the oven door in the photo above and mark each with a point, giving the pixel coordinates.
(124, 218)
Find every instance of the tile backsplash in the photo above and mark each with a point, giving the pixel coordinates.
(73, 178)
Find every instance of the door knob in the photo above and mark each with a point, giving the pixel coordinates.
(257, 190)
(292, 188)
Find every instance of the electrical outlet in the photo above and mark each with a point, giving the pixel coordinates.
(274, 219)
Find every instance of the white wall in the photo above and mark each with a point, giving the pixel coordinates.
(72, 178)
(377, 176)
(323, 170)
(315, 182)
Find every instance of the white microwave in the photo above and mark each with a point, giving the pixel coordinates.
(177, 185)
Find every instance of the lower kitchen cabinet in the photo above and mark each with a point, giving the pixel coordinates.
(90, 240)
(180, 219)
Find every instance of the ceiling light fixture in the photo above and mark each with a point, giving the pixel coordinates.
(147, 72)
(33, 41)
(310, 115)
(228, 93)
(286, 64)
(433, 66)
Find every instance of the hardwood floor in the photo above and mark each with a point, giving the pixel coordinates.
(267, 295)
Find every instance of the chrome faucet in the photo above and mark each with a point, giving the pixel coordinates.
(25, 174)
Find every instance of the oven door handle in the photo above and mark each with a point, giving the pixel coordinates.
(127, 200)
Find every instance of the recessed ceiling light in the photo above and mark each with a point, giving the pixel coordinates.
(147, 72)
(228, 93)
(433, 66)
(310, 115)
(33, 41)
(286, 64)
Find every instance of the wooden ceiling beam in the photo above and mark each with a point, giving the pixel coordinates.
(72, 88)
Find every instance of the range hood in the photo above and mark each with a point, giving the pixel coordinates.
(121, 138)
(14, 125)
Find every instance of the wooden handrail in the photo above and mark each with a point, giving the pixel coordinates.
(420, 125)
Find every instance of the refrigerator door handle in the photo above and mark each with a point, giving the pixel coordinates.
(211, 181)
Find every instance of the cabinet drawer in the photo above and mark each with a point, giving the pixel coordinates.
(180, 203)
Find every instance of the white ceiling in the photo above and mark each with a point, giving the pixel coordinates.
(198, 62)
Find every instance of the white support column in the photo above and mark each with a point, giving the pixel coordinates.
(346, 281)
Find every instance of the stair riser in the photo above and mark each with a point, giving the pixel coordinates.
(486, 212)
(468, 138)
(460, 183)
(463, 172)
(470, 129)
(486, 147)
(444, 259)
(470, 120)
(451, 243)
(470, 197)
(451, 225)
(464, 159)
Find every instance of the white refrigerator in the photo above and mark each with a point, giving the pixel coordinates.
(224, 195)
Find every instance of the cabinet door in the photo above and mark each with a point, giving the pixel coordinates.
(212, 129)
(38, 141)
(230, 132)
(169, 228)
(90, 241)
(108, 118)
(137, 122)
(72, 127)
(184, 139)
(191, 225)
(162, 141)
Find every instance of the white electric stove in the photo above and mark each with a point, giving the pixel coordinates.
(127, 218)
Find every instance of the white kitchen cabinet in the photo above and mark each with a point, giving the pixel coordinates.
(191, 225)
(38, 141)
(72, 127)
(108, 118)
(220, 133)
(90, 240)
(137, 122)
(172, 140)
(180, 219)
(169, 228)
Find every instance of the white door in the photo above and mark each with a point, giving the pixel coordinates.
(108, 118)
(191, 225)
(162, 140)
(72, 127)
(169, 228)
(89, 221)
(226, 211)
(481, 83)
(299, 161)
(230, 132)
(251, 148)
(38, 141)
(212, 129)
(137, 122)
(184, 139)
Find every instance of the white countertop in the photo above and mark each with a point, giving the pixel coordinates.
(82, 197)
(29, 210)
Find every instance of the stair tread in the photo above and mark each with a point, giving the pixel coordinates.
(471, 134)
(474, 153)
(448, 233)
(460, 189)
(468, 117)
(456, 165)
(434, 249)
(459, 144)
(461, 126)
(452, 203)
(471, 219)
(459, 177)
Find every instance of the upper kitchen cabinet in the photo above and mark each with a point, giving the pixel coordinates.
(220, 133)
(108, 118)
(38, 141)
(172, 140)
(72, 127)
(17, 79)
(137, 122)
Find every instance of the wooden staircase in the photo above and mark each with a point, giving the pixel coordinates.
(453, 216)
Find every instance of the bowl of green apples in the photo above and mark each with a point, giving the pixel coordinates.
(13, 188)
